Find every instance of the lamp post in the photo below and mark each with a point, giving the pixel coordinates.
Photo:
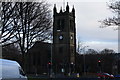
(51, 69)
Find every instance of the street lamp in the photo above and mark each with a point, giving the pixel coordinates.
(51, 69)
(99, 65)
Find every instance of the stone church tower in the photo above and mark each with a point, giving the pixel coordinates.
(64, 40)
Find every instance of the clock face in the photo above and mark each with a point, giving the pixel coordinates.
(71, 37)
(60, 37)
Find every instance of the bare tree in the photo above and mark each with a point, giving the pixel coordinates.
(115, 20)
(7, 29)
(28, 22)
(107, 51)
(80, 46)
(91, 51)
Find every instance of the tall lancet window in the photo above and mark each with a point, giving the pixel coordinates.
(71, 25)
(60, 24)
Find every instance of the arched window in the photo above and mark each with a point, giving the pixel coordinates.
(60, 24)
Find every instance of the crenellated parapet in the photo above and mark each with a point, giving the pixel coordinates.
(64, 12)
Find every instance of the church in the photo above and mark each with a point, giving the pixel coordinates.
(60, 57)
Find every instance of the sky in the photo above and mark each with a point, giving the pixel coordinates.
(88, 14)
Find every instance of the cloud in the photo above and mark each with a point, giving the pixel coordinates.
(79, 0)
(102, 45)
(88, 13)
(87, 22)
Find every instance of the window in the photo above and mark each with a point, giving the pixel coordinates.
(21, 71)
(71, 25)
(60, 24)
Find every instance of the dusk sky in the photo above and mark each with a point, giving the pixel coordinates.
(88, 13)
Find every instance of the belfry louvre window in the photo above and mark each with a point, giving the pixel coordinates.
(60, 24)
(63, 24)
(71, 25)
